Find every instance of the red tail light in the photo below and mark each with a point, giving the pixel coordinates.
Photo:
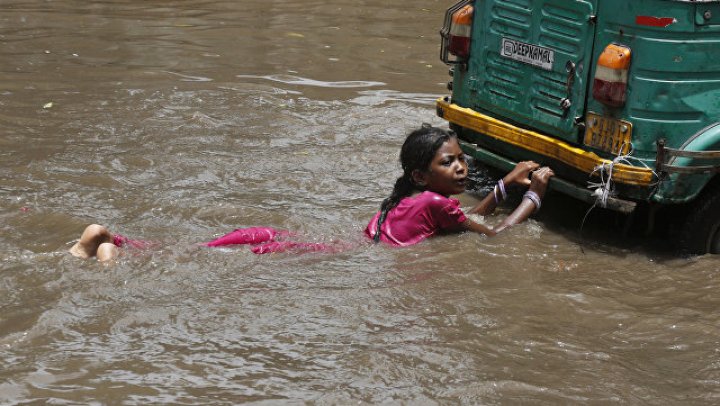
(611, 75)
(460, 32)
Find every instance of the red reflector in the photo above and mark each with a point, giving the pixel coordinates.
(609, 93)
(459, 46)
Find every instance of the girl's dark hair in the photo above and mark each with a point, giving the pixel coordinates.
(417, 153)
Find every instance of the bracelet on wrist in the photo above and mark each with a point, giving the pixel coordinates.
(501, 185)
(533, 197)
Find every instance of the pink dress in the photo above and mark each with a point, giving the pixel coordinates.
(418, 217)
(414, 219)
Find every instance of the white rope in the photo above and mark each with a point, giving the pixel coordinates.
(605, 188)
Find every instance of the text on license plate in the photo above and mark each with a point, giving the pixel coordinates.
(609, 134)
(527, 53)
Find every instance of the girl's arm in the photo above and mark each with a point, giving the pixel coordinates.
(470, 225)
(518, 176)
(538, 185)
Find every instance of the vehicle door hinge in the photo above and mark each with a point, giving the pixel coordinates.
(566, 102)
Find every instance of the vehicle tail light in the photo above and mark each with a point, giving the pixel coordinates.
(456, 32)
(460, 32)
(611, 75)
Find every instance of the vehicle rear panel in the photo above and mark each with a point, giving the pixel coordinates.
(520, 91)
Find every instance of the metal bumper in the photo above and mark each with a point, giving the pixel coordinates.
(560, 185)
(535, 142)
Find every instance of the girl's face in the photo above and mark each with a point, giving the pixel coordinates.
(447, 172)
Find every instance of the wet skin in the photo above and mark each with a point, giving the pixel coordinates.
(447, 172)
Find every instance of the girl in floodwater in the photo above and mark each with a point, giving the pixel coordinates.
(419, 206)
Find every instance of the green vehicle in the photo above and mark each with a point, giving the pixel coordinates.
(620, 97)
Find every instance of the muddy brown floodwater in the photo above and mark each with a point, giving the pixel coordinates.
(177, 121)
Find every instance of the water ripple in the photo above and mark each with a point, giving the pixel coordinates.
(297, 80)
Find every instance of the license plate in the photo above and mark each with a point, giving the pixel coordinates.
(527, 53)
(609, 134)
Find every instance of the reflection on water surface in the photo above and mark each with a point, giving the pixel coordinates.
(178, 122)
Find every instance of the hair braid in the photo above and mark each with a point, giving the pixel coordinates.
(404, 187)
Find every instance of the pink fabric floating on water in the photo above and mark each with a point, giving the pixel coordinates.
(263, 241)
(120, 240)
(282, 246)
(250, 235)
